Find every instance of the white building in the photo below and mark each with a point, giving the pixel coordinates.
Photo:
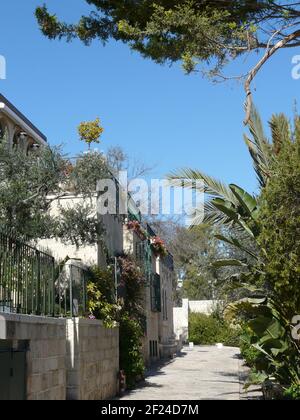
(17, 130)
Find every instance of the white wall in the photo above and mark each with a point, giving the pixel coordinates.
(181, 321)
(181, 315)
(205, 307)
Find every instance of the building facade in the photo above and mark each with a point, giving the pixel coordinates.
(61, 356)
(17, 130)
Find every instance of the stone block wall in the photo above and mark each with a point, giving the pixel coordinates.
(65, 359)
(46, 353)
(93, 360)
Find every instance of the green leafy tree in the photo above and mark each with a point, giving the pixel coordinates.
(269, 271)
(279, 218)
(90, 132)
(191, 31)
(26, 182)
(31, 184)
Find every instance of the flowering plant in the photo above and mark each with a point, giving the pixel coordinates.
(159, 247)
(136, 227)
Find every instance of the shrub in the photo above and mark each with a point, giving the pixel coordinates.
(131, 359)
(293, 393)
(208, 330)
(101, 301)
(249, 353)
(128, 312)
(279, 218)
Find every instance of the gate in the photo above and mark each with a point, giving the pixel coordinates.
(12, 375)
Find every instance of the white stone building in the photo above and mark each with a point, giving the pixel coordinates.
(17, 130)
(72, 358)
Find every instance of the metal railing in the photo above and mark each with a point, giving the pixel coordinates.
(30, 283)
(71, 291)
(26, 278)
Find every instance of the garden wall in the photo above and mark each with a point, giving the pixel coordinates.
(181, 321)
(205, 307)
(45, 340)
(93, 360)
(65, 359)
(181, 315)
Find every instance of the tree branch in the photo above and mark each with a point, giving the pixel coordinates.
(269, 53)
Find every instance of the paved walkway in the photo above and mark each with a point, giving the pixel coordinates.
(203, 373)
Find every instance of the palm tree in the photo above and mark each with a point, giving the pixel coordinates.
(230, 205)
(234, 208)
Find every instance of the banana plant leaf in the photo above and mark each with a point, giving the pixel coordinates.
(266, 328)
(247, 201)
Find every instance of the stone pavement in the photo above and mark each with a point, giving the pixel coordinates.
(202, 373)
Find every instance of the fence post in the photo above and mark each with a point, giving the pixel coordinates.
(53, 288)
(71, 292)
(39, 297)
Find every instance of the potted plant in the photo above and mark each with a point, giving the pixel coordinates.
(158, 246)
(136, 227)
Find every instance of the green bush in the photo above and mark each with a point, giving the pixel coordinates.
(208, 330)
(131, 359)
(101, 301)
(293, 393)
(250, 354)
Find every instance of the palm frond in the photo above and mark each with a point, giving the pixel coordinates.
(212, 186)
(297, 129)
(259, 148)
(281, 131)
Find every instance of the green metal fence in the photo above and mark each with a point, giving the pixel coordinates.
(26, 278)
(71, 291)
(31, 284)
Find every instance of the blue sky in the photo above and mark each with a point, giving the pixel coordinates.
(155, 113)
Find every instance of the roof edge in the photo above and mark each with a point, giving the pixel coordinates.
(22, 116)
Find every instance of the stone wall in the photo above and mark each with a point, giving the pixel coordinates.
(65, 359)
(46, 351)
(93, 360)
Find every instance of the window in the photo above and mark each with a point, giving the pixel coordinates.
(155, 293)
(153, 348)
(165, 305)
(139, 251)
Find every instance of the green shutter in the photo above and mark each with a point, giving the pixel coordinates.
(155, 293)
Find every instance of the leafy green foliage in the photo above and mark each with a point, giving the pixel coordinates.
(208, 330)
(101, 300)
(30, 184)
(280, 220)
(131, 359)
(78, 225)
(293, 392)
(269, 333)
(26, 182)
(191, 31)
(270, 273)
(131, 318)
(90, 131)
(103, 305)
(84, 175)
